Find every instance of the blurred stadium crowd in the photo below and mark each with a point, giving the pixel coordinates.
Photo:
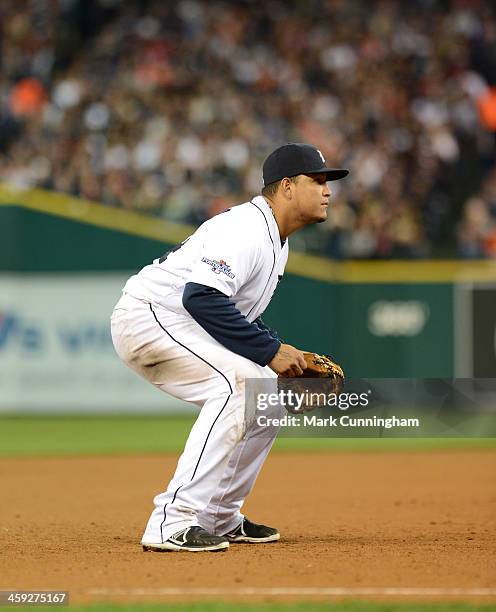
(170, 108)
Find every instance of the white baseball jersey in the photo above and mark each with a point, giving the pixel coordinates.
(238, 252)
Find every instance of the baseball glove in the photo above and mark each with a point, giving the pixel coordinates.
(318, 366)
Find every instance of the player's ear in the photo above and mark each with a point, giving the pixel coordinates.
(286, 188)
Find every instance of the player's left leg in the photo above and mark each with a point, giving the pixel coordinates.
(223, 514)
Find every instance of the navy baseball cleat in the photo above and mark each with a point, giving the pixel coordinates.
(191, 539)
(247, 531)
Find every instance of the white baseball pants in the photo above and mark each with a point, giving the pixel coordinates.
(223, 455)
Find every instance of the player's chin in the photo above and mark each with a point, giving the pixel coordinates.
(322, 215)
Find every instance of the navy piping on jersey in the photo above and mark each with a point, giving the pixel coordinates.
(273, 253)
(215, 420)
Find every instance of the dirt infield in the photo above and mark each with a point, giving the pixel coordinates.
(353, 521)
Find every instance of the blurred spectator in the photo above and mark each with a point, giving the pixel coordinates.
(487, 108)
(28, 97)
(170, 107)
(477, 230)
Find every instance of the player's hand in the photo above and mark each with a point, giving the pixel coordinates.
(288, 360)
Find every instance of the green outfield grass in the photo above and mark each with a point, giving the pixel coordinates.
(110, 435)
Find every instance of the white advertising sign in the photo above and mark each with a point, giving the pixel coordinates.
(56, 352)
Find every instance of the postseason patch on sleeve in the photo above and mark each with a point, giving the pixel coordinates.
(219, 267)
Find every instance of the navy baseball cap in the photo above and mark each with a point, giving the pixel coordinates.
(297, 158)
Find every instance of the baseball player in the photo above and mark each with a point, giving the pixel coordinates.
(190, 324)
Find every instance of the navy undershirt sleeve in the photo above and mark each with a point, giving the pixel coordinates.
(219, 317)
(265, 327)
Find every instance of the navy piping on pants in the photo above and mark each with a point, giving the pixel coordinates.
(215, 420)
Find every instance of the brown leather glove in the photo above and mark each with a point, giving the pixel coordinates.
(318, 366)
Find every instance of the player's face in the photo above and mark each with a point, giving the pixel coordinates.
(313, 194)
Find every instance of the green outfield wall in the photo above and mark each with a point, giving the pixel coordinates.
(380, 319)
